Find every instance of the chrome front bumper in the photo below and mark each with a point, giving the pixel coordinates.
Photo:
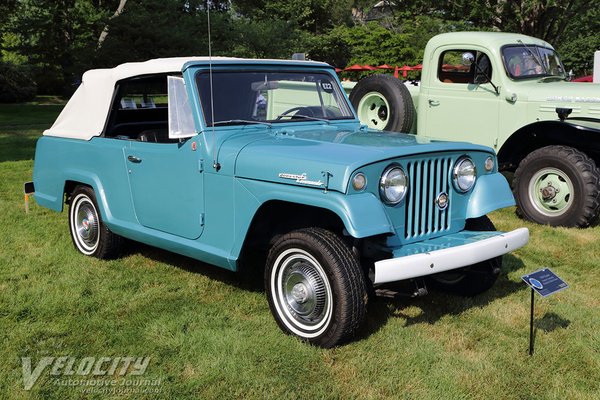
(445, 259)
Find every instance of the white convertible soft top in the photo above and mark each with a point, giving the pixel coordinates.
(85, 114)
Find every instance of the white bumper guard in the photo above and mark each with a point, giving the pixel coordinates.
(416, 265)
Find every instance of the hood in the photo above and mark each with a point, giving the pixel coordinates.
(326, 156)
(583, 98)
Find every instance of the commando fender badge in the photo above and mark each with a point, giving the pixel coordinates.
(300, 179)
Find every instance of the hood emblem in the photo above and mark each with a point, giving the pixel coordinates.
(303, 179)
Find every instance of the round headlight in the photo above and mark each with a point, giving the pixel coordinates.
(489, 164)
(393, 185)
(359, 181)
(464, 174)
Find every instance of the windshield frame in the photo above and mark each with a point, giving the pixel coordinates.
(338, 95)
(538, 55)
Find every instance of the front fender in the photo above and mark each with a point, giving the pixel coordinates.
(491, 192)
(363, 214)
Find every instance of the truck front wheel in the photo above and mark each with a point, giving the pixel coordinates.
(558, 186)
(315, 287)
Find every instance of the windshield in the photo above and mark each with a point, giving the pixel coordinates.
(263, 97)
(532, 62)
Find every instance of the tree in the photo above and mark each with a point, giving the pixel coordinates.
(546, 19)
(56, 37)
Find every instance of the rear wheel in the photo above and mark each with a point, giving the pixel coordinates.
(315, 287)
(558, 186)
(474, 279)
(89, 234)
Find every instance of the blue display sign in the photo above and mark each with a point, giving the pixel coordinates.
(545, 282)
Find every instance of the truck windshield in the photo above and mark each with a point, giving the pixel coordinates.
(266, 97)
(523, 62)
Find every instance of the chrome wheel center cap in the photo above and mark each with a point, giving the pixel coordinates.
(300, 293)
(86, 224)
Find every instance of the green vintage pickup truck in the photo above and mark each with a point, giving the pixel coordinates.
(510, 92)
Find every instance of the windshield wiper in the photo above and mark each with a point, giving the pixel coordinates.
(303, 116)
(242, 121)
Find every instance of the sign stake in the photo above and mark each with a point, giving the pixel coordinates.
(531, 341)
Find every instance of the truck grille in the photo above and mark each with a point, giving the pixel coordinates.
(427, 179)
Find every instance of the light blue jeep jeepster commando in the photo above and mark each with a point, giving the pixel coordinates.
(225, 160)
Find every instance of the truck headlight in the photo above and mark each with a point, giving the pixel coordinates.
(393, 185)
(464, 174)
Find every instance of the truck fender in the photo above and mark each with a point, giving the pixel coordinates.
(544, 133)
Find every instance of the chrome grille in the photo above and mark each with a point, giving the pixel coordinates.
(427, 179)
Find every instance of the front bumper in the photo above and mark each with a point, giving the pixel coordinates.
(447, 253)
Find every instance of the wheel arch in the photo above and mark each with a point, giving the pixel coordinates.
(339, 214)
(547, 133)
(72, 180)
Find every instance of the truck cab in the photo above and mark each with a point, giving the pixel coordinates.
(510, 92)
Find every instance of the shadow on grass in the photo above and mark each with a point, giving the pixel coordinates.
(244, 281)
(432, 307)
(551, 322)
(437, 305)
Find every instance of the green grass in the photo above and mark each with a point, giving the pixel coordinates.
(209, 335)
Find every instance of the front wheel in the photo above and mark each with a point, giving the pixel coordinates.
(315, 287)
(558, 186)
(474, 279)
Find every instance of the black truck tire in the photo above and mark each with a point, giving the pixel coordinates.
(383, 102)
(558, 186)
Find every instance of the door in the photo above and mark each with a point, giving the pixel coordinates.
(459, 103)
(167, 186)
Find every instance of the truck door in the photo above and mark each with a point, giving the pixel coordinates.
(458, 102)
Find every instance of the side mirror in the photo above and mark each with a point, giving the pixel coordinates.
(468, 59)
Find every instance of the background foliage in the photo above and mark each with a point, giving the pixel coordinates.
(56, 40)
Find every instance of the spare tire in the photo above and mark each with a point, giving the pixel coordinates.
(383, 102)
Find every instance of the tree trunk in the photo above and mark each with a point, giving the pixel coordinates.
(104, 33)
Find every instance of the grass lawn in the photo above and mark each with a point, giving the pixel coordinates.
(210, 335)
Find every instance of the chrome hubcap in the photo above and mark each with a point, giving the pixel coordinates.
(301, 293)
(304, 292)
(85, 224)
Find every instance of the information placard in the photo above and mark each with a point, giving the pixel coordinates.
(544, 282)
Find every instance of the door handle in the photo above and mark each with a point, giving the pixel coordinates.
(134, 159)
(434, 103)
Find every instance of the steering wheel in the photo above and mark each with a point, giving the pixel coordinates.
(288, 112)
(525, 72)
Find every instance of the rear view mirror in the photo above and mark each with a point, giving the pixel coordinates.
(264, 85)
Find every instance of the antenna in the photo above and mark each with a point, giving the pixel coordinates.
(216, 165)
